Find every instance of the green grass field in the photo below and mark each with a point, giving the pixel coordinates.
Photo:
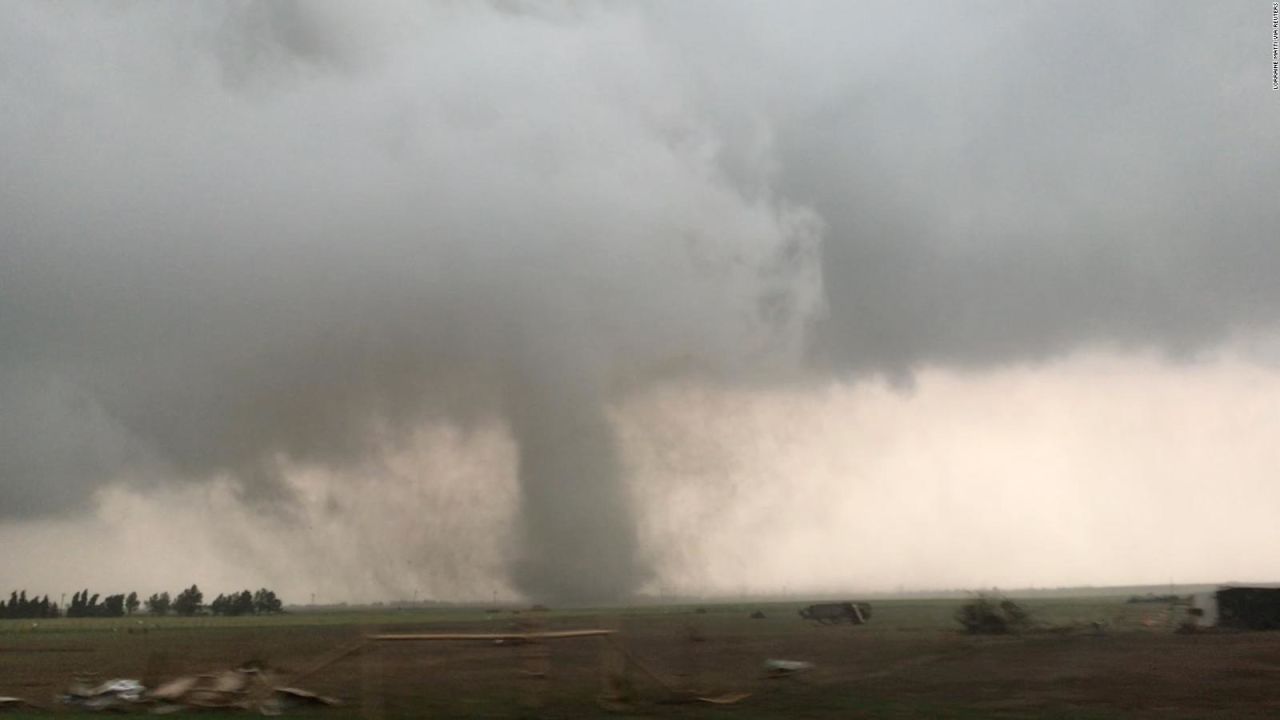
(909, 661)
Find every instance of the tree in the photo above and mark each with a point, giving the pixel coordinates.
(265, 602)
(131, 603)
(82, 605)
(112, 606)
(219, 605)
(188, 601)
(159, 604)
(77, 607)
(242, 604)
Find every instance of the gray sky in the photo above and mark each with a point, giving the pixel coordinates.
(425, 291)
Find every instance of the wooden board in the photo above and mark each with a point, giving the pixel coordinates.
(531, 636)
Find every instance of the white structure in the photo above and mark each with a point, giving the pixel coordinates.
(1204, 609)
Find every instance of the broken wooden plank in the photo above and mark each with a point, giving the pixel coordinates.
(531, 636)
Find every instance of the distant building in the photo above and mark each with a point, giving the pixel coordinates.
(1243, 608)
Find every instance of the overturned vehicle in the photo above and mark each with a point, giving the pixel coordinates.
(833, 613)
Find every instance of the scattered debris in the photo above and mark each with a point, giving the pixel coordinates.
(14, 703)
(287, 698)
(117, 694)
(175, 689)
(782, 668)
(856, 613)
(757, 615)
(242, 689)
(988, 615)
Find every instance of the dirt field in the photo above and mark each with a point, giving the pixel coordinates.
(908, 662)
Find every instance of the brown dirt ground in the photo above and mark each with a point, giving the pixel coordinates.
(895, 671)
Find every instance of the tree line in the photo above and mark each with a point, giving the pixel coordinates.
(19, 606)
(187, 603)
(85, 605)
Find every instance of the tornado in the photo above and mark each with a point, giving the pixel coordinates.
(576, 535)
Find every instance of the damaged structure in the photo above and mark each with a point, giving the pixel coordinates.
(1237, 607)
(855, 613)
(239, 689)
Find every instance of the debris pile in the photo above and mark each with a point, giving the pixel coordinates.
(855, 613)
(241, 689)
(119, 694)
(988, 615)
(13, 703)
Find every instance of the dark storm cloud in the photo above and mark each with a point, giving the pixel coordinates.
(263, 234)
(244, 235)
(1003, 181)
(1018, 180)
